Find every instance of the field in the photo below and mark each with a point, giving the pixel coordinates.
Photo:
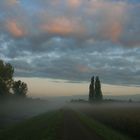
(14, 111)
(109, 121)
(124, 117)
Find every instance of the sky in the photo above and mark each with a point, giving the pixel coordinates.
(60, 44)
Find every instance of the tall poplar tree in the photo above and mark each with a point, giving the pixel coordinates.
(91, 90)
(98, 91)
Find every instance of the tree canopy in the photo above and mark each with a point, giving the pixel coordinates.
(7, 84)
(95, 92)
(6, 77)
(20, 88)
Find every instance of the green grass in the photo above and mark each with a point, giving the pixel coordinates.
(124, 118)
(102, 130)
(42, 127)
(49, 126)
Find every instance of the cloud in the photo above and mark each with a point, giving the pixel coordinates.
(62, 26)
(109, 18)
(60, 59)
(74, 3)
(12, 2)
(115, 21)
(108, 26)
(14, 28)
(7, 5)
(113, 25)
(72, 39)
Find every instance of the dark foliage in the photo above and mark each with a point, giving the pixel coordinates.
(7, 83)
(6, 75)
(91, 90)
(95, 93)
(98, 95)
(20, 88)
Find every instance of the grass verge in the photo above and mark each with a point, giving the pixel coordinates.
(102, 130)
(42, 127)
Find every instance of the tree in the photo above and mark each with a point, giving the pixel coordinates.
(98, 92)
(6, 75)
(91, 90)
(20, 88)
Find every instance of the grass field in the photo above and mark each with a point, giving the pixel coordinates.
(45, 126)
(64, 124)
(105, 132)
(15, 111)
(124, 117)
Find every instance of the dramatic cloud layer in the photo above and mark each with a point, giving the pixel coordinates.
(72, 39)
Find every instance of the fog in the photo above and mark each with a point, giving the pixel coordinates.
(105, 105)
(16, 110)
(13, 111)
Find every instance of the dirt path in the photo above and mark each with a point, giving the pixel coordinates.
(75, 130)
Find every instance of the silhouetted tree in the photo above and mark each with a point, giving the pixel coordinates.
(91, 90)
(20, 88)
(98, 92)
(6, 74)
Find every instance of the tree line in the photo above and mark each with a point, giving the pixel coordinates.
(95, 92)
(9, 87)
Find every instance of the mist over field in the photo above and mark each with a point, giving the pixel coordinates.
(17, 110)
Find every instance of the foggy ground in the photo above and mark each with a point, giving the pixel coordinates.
(120, 116)
(13, 111)
(17, 110)
(74, 129)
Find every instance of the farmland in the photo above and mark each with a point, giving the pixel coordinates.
(123, 117)
(82, 121)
